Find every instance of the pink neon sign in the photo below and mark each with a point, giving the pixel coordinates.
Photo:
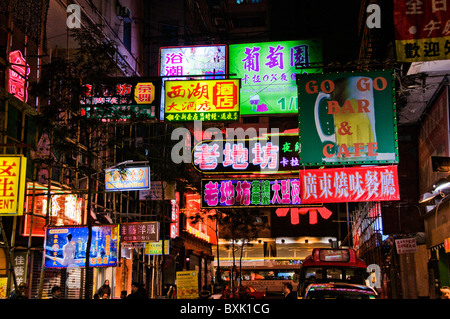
(18, 73)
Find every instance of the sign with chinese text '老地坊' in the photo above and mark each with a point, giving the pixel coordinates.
(66, 246)
(128, 179)
(121, 99)
(347, 118)
(12, 185)
(251, 192)
(203, 100)
(139, 232)
(268, 71)
(349, 184)
(422, 30)
(275, 153)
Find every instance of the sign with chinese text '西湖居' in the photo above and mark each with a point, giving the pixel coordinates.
(12, 184)
(274, 153)
(422, 30)
(347, 118)
(121, 98)
(268, 72)
(66, 246)
(204, 100)
(128, 179)
(139, 232)
(18, 76)
(264, 192)
(349, 184)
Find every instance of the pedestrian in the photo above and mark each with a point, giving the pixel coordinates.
(137, 291)
(56, 292)
(123, 294)
(96, 296)
(288, 293)
(105, 289)
(20, 292)
(445, 292)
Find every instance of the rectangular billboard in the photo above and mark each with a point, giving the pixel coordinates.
(128, 179)
(12, 184)
(66, 246)
(347, 118)
(139, 232)
(201, 100)
(268, 70)
(349, 184)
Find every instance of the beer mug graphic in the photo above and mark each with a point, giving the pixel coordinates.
(347, 118)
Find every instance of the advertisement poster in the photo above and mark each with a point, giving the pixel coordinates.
(187, 284)
(347, 118)
(349, 184)
(66, 246)
(128, 179)
(268, 71)
(12, 185)
(205, 100)
(422, 30)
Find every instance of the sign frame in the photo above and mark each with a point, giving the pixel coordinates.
(16, 205)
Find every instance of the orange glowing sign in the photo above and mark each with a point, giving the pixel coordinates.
(12, 185)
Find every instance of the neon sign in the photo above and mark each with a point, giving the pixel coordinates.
(18, 73)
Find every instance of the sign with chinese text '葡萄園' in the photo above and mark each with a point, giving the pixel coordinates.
(121, 99)
(66, 246)
(274, 153)
(349, 184)
(422, 30)
(128, 179)
(12, 184)
(203, 100)
(347, 118)
(251, 192)
(139, 232)
(268, 71)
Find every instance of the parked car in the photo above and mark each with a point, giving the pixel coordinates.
(339, 291)
(252, 293)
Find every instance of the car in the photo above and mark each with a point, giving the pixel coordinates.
(252, 293)
(339, 291)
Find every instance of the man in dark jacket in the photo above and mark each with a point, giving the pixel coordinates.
(288, 293)
(137, 292)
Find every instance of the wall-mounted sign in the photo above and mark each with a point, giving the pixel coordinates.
(276, 153)
(421, 30)
(155, 248)
(175, 216)
(406, 246)
(203, 100)
(205, 229)
(66, 246)
(139, 232)
(128, 179)
(349, 184)
(187, 284)
(18, 73)
(268, 71)
(347, 118)
(267, 192)
(12, 185)
(121, 98)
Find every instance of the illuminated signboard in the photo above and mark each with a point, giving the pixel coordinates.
(204, 100)
(175, 216)
(121, 98)
(250, 192)
(139, 232)
(155, 249)
(347, 118)
(205, 229)
(128, 179)
(12, 186)
(268, 73)
(66, 246)
(65, 210)
(275, 153)
(177, 63)
(349, 184)
(18, 73)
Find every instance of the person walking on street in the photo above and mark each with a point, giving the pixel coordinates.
(288, 293)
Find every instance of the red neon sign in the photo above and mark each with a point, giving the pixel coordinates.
(18, 73)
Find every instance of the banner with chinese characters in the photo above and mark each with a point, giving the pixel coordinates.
(139, 232)
(347, 118)
(66, 246)
(128, 179)
(264, 192)
(121, 99)
(349, 184)
(205, 100)
(13, 184)
(155, 249)
(422, 30)
(274, 153)
(268, 70)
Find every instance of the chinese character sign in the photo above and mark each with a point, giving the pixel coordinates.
(268, 70)
(18, 73)
(137, 232)
(12, 185)
(205, 100)
(347, 118)
(129, 179)
(349, 184)
(66, 246)
(250, 193)
(422, 30)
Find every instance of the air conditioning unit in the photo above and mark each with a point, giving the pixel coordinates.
(124, 13)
